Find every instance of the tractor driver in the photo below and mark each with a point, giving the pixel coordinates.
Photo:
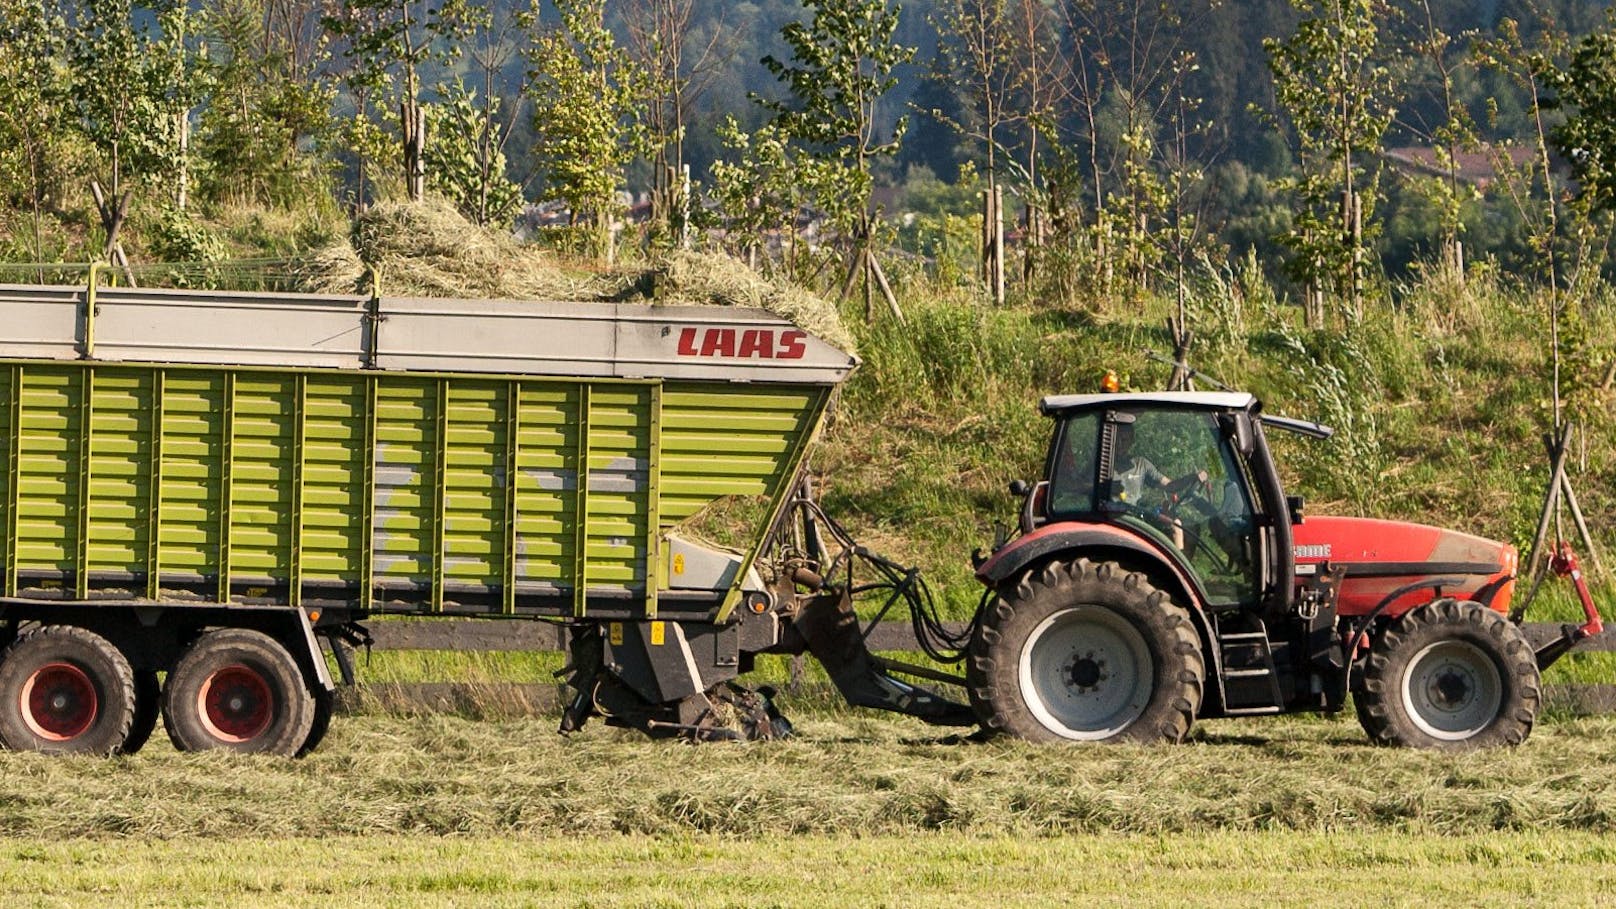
(1210, 532)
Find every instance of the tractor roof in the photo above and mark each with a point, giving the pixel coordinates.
(1212, 400)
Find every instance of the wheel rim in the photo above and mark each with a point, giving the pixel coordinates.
(1452, 690)
(59, 702)
(1086, 673)
(235, 704)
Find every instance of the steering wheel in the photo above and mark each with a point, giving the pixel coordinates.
(1181, 490)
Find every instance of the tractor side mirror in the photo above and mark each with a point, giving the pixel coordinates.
(1237, 426)
(1294, 505)
(1018, 488)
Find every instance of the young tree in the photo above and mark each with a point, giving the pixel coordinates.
(389, 43)
(467, 162)
(1335, 89)
(841, 66)
(1453, 134)
(34, 96)
(979, 48)
(583, 89)
(756, 191)
(131, 88)
(267, 99)
(679, 65)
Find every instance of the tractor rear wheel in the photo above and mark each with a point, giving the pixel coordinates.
(237, 690)
(1086, 651)
(1451, 675)
(65, 690)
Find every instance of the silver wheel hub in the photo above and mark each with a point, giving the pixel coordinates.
(1452, 690)
(1086, 673)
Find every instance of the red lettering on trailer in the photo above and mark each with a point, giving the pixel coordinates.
(757, 343)
(718, 342)
(792, 346)
(687, 342)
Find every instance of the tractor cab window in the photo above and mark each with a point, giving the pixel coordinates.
(1175, 472)
(1074, 467)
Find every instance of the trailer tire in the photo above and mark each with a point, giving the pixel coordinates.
(65, 690)
(237, 690)
(325, 704)
(148, 706)
(1449, 675)
(1048, 647)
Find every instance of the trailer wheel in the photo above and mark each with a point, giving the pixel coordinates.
(1452, 675)
(237, 690)
(65, 690)
(325, 704)
(148, 695)
(1085, 651)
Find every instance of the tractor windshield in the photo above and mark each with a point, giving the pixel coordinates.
(1175, 476)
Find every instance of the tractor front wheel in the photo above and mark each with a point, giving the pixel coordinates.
(1451, 675)
(1086, 651)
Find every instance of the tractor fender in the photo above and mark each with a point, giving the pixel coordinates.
(1071, 537)
(1109, 543)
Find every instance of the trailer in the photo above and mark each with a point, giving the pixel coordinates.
(203, 491)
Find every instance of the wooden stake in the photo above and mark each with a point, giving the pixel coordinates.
(1551, 498)
(998, 245)
(886, 289)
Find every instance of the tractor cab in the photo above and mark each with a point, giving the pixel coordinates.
(1184, 475)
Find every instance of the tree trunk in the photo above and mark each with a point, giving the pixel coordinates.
(413, 117)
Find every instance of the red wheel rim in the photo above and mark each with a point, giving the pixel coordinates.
(58, 702)
(235, 704)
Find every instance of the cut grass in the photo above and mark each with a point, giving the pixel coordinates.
(846, 774)
(957, 871)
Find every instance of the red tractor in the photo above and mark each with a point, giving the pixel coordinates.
(1163, 574)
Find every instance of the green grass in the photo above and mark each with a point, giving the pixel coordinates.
(957, 871)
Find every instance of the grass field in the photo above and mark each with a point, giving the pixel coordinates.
(858, 811)
(939, 869)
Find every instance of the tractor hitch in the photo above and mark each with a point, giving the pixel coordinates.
(1564, 564)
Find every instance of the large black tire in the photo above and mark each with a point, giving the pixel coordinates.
(237, 690)
(1085, 651)
(148, 704)
(1451, 675)
(65, 690)
(325, 704)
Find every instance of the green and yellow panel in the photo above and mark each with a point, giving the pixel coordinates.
(396, 491)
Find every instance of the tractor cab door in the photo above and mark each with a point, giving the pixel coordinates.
(1177, 476)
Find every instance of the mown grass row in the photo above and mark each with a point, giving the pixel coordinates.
(845, 775)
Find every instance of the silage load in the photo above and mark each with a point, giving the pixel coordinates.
(428, 249)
